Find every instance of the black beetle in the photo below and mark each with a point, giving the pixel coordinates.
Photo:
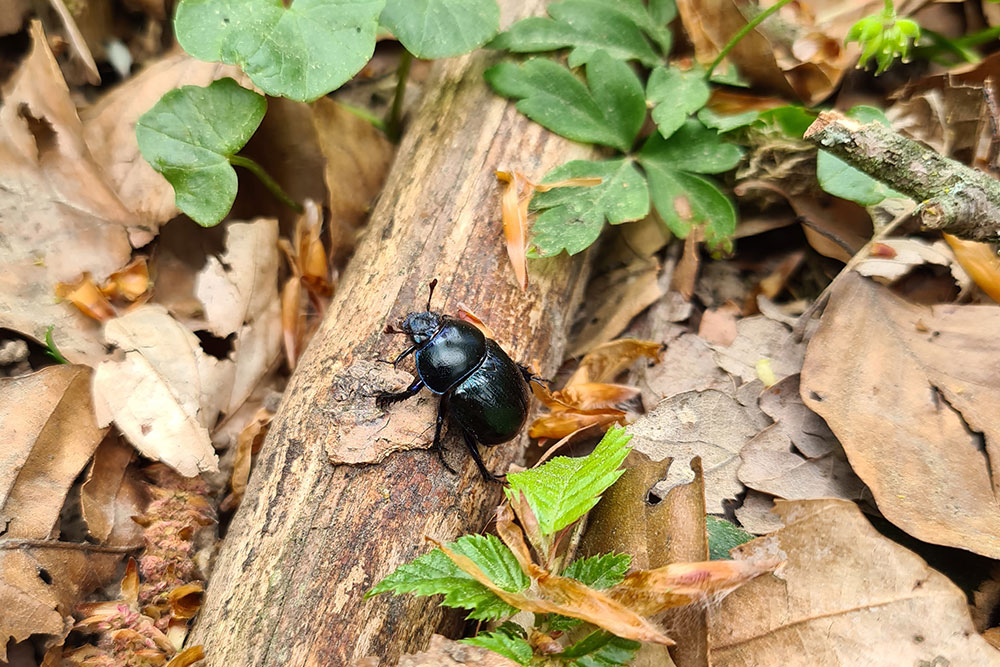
(483, 391)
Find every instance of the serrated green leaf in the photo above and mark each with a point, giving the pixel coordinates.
(600, 649)
(600, 571)
(610, 112)
(441, 28)
(572, 218)
(723, 537)
(682, 197)
(434, 573)
(506, 643)
(564, 489)
(842, 180)
(301, 52)
(723, 123)
(585, 27)
(675, 96)
(189, 136)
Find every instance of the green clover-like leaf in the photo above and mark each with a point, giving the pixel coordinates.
(572, 217)
(675, 95)
(610, 112)
(190, 135)
(441, 28)
(302, 52)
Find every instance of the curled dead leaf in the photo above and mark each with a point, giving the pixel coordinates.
(185, 601)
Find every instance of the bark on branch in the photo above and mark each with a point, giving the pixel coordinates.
(312, 537)
(952, 198)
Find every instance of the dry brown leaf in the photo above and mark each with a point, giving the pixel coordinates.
(248, 442)
(782, 402)
(514, 214)
(444, 652)
(845, 596)
(756, 514)
(921, 387)
(607, 361)
(129, 282)
(58, 216)
(112, 494)
(87, 297)
(718, 325)
(758, 339)
(48, 433)
(564, 423)
(109, 130)
(771, 465)
(687, 365)
(596, 395)
(708, 424)
(165, 392)
(893, 258)
(188, 656)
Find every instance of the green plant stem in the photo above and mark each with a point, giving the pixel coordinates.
(393, 121)
(269, 183)
(51, 348)
(743, 33)
(364, 114)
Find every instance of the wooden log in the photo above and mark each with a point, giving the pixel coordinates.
(312, 537)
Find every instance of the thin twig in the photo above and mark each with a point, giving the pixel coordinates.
(21, 543)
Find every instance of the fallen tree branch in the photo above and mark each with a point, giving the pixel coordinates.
(951, 197)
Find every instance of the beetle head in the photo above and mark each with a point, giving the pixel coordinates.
(421, 327)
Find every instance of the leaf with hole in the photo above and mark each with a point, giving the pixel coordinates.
(190, 135)
(572, 217)
(610, 112)
(301, 52)
(441, 28)
(682, 196)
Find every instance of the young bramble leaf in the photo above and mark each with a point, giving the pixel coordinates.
(600, 571)
(190, 135)
(435, 573)
(675, 95)
(441, 28)
(586, 27)
(610, 112)
(302, 52)
(683, 198)
(723, 537)
(564, 489)
(508, 641)
(842, 180)
(573, 217)
(600, 649)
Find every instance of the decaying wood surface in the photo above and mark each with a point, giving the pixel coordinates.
(312, 537)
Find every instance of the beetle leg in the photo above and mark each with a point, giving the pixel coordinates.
(529, 376)
(438, 433)
(473, 447)
(387, 398)
(395, 362)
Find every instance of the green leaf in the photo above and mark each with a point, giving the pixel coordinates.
(610, 112)
(682, 197)
(675, 95)
(506, 641)
(573, 217)
(600, 649)
(441, 28)
(435, 573)
(792, 120)
(301, 52)
(189, 137)
(600, 571)
(564, 489)
(586, 27)
(723, 123)
(723, 537)
(842, 180)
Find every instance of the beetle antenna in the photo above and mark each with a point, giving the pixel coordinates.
(389, 329)
(431, 293)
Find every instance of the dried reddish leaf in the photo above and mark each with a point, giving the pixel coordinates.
(606, 361)
(113, 493)
(595, 395)
(561, 424)
(128, 283)
(310, 253)
(512, 535)
(188, 656)
(292, 320)
(981, 262)
(465, 314)
(561, 595)
(248, 443)
(514, 213)
(185, 600)
(87, 297)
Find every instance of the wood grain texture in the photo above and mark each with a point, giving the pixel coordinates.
(310, 537)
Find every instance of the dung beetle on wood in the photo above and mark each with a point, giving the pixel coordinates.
(481, 389)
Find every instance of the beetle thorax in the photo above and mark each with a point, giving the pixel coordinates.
(452, 352)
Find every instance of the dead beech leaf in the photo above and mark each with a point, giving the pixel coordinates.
(756, 514)
(607, 361)
(130, 282)
(87, 297)
(514, 214)
(893, 258)
(718, 325)
(758, 339)
(109, 132)
(687, 365)
(782, 402)
(921, 385)
(708, 424)
(551, 594)
(443, 652)
(771, 465)
(58, 216)
(561, 424)
(596, 395)
(165, 392)
(845, 596)
(248, 442)
(113, 493)
(48, 433)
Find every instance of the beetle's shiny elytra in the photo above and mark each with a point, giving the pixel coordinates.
(484, 392)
